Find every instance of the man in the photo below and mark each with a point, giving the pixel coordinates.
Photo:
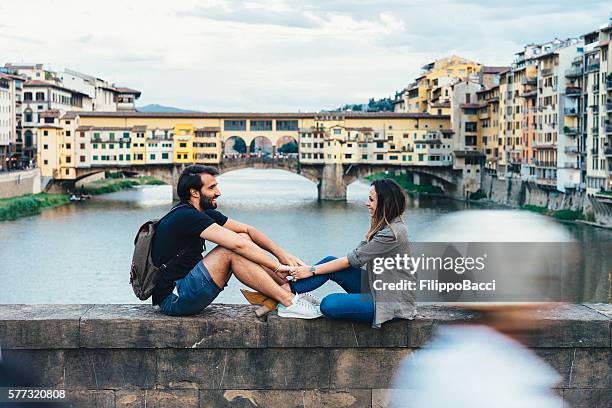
(190, 282)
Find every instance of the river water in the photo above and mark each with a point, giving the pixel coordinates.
(80, 253)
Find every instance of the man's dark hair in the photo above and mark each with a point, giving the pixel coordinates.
(190, 178)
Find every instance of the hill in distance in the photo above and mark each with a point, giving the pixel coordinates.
(160, 108)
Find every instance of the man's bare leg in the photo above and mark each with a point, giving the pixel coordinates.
(221, 262)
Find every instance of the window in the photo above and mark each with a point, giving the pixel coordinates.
(120, 157)
(111, 146)
(96, 135)
(152, 157)
(111, 135)
(364, 156)
(82, 146)
(45, 161)
(95, 157)
(82, 159)
(164, 155)
(380, 144)
(261, 125)
(28, 116)
(68, 146)
(182, 144)
(68, 159)
(126, 134)
(421, 157)
(45, 133)
(337, 131)
(470, 126)
(379, 156)
(348, 156)
(95, 145)
(127, 157)
(234, 125)
(45, 147)
(392, 157)
(68, 133)
(287, 125)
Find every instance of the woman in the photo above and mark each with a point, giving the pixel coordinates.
(386, 238)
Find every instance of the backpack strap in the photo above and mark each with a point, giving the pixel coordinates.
(183, 251)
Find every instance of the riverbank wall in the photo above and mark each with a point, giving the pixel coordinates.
(134, 356)
(18, 183)
(517, 193)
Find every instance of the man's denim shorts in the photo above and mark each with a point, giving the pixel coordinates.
(192, 293)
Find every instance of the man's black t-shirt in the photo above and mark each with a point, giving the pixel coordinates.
(176, 231)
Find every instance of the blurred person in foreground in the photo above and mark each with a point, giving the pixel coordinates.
(485, 364)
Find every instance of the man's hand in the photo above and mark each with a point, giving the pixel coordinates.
(301, 272)
(287, 259)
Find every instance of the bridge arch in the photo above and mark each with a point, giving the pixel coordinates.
(287, 144)
(261, 145)
(234, 145)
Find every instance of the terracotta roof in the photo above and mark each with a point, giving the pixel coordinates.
(237, 115)
(447, 131)
(441, 105)
(494, 70)
(54, 113)
(122, 89)
(84, 128)
(37, 83)
(470, 105)
(139, 128)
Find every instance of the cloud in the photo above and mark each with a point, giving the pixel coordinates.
(231, 55)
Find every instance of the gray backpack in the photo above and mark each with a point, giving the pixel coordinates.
(143, 273)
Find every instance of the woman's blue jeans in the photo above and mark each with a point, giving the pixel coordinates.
(352, 305)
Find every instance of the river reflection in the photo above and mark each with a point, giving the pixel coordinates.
(80, 253)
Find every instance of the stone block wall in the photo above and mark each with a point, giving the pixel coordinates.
(133, 356)
(17, 183)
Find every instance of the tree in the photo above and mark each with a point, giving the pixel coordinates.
(291, 147)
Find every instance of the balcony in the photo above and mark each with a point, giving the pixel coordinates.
(570, 111)
(571, 149)
(608, 129)
(608, 106)
(570, 131)
(593, 67)
(571, 165)
(529, 81)
(573, 72)
(608, 152)
(595, 130)
(594, 108)
(609, 84)
(596, 88)
(546, 72)
(547, 181)
(573, 91)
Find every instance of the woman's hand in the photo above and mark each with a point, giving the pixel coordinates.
(301, 272)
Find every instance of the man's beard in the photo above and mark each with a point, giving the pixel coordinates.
(206, 203)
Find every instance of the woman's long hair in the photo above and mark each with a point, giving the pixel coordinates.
(391, 203)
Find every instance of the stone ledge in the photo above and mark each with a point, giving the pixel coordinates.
(236, 326)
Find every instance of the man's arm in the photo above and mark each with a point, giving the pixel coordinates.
(263, 241)
(234, 242)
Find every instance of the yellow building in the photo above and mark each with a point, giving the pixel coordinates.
(183, 143)
(432, 91)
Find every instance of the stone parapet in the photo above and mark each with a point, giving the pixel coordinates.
(134, 356)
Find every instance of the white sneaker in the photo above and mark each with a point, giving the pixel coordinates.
(309, 297)
(299, 309)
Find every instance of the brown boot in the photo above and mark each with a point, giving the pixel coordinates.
(256, 298)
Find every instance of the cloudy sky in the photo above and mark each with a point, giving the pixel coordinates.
(277, 55)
